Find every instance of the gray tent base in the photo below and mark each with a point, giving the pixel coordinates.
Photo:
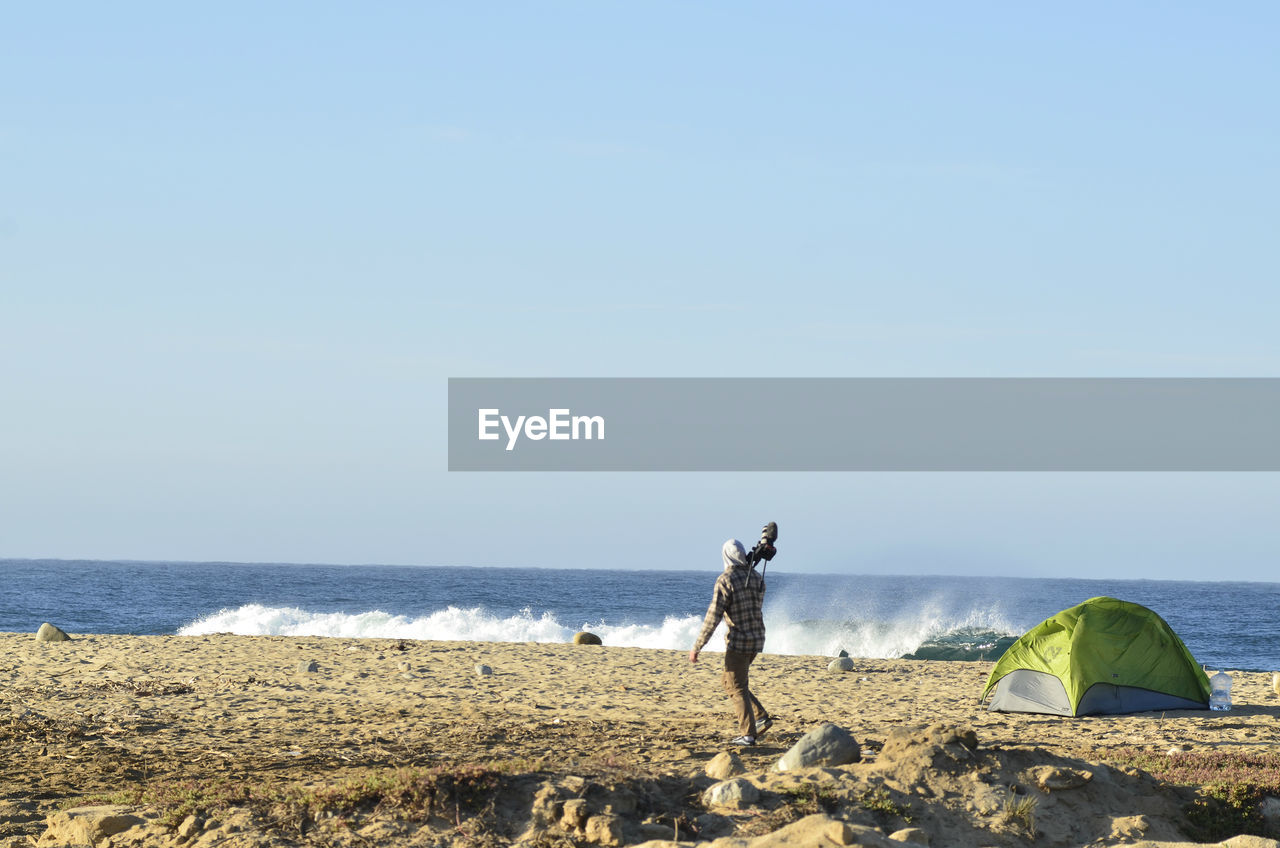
(1026, 691)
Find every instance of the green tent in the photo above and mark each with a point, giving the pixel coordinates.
(1101, 657)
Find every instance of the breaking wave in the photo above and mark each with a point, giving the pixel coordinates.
(922, 635)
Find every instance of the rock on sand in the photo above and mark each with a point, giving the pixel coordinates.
(49, 633)
(725, 765)
(825, 745)
(738, 792)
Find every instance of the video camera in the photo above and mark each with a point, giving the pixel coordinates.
(764, 549)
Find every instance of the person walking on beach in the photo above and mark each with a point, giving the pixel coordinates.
(738, 598)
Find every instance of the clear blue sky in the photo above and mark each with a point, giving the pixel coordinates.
(242, 248)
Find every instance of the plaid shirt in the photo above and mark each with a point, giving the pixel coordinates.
(738, 596)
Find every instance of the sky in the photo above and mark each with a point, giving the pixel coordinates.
(243, 247)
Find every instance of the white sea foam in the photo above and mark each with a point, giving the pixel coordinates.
(861, 638)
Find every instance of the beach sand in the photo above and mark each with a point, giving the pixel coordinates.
(86, 720)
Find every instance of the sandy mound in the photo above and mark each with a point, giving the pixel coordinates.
(930, 785)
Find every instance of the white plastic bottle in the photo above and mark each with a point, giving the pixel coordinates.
(1220, 691)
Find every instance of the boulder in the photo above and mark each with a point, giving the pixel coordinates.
(308, 667)
(582, 637)
(49, 633)
(825, 745)
(840, 664)
(725, 765)
(483, 670)
(87, 825)
(1275, 682)
(737, 793)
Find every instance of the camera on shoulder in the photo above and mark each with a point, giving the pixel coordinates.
(764, 549)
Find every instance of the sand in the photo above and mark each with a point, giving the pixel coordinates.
(101, 714)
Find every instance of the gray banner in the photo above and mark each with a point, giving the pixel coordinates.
(889, 424)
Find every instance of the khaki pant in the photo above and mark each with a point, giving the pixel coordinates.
(748, 709)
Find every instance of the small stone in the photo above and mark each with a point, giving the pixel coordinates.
(725, 765)
(483, 670)
(308, 666)
(49, 633)
(843, 653)
(190, 826)
(840, 664)
(582, 637)
(914, 835)
(604, 830)
(575, 814)
(738, 793)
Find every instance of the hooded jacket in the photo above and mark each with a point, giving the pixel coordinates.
(738, 599)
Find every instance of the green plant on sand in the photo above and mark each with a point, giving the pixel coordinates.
(413, 794)
(1230, 785)
(881, 803)
(1020, 811)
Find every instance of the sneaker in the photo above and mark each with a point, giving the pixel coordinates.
(743, 741)
(762, 727)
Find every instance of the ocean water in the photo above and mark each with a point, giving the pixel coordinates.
(1225, 625)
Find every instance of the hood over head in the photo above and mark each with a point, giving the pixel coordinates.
(735, 555)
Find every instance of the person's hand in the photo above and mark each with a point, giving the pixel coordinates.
(693, 655)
